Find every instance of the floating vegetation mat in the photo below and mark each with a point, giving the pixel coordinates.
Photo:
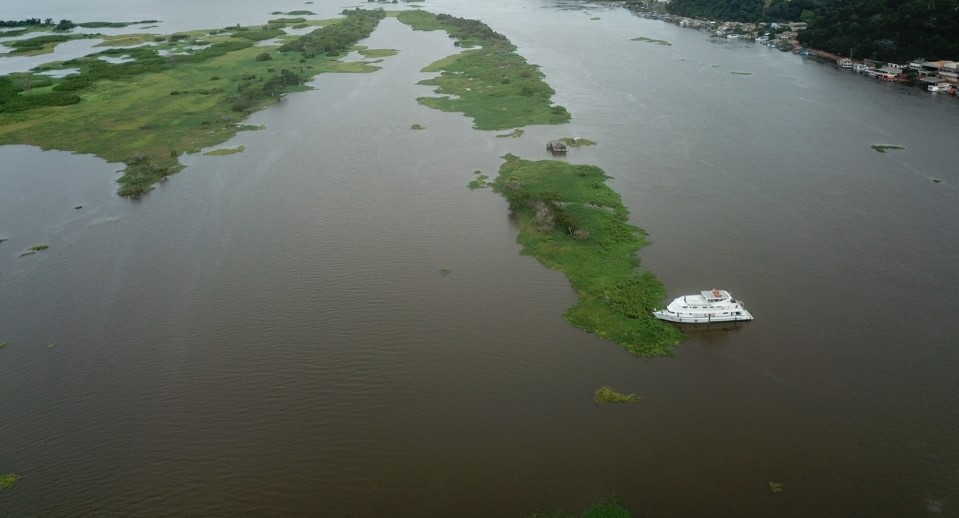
(655, 42)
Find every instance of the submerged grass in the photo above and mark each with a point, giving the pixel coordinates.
(606, 394)
(148, 111)
(516, 133)
(491, 84)
(570, 220)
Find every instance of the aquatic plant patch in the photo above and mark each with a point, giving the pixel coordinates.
(148, 110)
(607, 394)
(882, 148)
(570, 220)
(651, 40)
(492, 84)
(7, 481)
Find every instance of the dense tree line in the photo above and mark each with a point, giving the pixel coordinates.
(337, 38)
(887, 30)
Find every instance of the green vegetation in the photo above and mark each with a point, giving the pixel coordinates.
(417, 126)
(650, 40)
(741, 73)
(516, 133)
(606, 394)
(607, 509)
(226, 151)
(935, 180)
(882, 148)
(570, 220)
(493, 85)
(7, 481)
(3, 345)
(885, 30)
(41, 44)
(444, 272)
(776, 487)
(151, 108)
(480, 182)
(375, 53)
(577, 141)
(39, 247)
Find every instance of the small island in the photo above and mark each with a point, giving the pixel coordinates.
(570, 220)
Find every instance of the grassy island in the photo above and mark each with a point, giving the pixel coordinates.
(492, 84)
(570, 220)
(183, 94)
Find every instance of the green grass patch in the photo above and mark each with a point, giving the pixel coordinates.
(935, 180)
(570, 220)
(417, 126)
(606, 394)
(126, 40)
(444, 272)
(38, 248)
(3, 345)
(577, 141)
(41, 44)
(148, 111)
(882, 148)
(776, 487)
(249, 127)
(375, 53)
(651, 40)
(516, 133)
(7, 481)
(480, 182)
(493, 85)
(226, 151)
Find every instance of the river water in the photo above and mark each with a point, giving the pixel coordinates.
(331, 324)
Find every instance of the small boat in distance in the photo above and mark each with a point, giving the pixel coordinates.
(707, 307)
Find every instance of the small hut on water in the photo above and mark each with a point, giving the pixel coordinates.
(556, 147)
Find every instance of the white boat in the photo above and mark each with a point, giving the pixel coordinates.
(709, 306)
(845, 63)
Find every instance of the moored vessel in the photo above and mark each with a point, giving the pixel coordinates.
(706, 307)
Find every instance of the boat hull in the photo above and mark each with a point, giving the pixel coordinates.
(701, 319)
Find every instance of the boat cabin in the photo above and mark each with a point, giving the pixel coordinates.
(716, 295)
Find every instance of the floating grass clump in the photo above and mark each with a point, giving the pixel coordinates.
(882, 148)
(606, 394)
(776, 487)
(741, 73)
(516, 133)
(577, 141)
(570, 220)
(480, 182)
(3, 345)
(7, 481)
(417, 126)
(226, 151)
(655, 42)
(38, 248)
(492, 84)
